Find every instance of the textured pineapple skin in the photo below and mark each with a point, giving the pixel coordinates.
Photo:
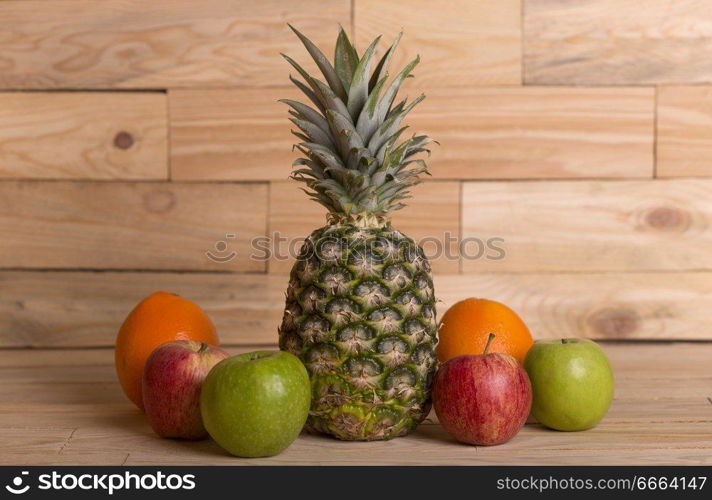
(360, 313)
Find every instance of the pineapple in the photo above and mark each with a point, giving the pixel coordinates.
(360, 307)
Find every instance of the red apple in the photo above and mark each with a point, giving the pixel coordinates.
(172, 379)
(483, 399)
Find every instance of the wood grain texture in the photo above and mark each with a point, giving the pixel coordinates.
(684, 144)
(61, 309)
(431, 219)
(18, 443)
(84, 309)
(461, 42)
(613, 42)
(137, 44)
(595, 305)
(485, 133)
(83, 135)
(64, 407)
(122, 225)
(592, 226)
(431, 445)
(505, 133)
(236, 134)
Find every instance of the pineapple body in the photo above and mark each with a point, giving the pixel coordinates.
(360, 314)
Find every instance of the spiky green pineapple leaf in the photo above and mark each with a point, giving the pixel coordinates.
(328, 158)
(330, 100)
(308, 92)
(353, 160)
(392, 124)
(306, 113)
(345, 59)
(324, 65)
(361, 159)
(358, 91)
(384, 105)
(300, 135)
(313, 133)
(344, 132)
(382, 66)
(367, 121)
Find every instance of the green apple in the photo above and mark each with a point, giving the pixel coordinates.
(255, 404)
(572, 383)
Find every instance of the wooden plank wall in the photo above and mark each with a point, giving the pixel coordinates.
(136, 136)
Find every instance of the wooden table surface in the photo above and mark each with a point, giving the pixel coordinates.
(66, 407)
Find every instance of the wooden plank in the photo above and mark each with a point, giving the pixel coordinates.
(62, 309)
(236, 134)
(461, 42)
(431, 219)
(52, 357)
(421, 448)
(83, 135)
(431, 445)
(137, 44)
(685, 359)
(65, 309)
(609, 42)
(120, 225)
(592, 226)
(485, 133)
(57, 414)
(17, 441)
(47, 459)
(660, 442)
(28, 445)
(52, 413)
(606, 305)
(65, 458)
(509, 133)
(684, 143)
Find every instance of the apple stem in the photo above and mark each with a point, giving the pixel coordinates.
(489, 341)
(203, 347)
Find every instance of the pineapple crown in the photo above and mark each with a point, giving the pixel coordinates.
(353, 164)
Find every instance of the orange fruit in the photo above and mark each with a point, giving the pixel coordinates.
(465, 328)
(157, 319)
